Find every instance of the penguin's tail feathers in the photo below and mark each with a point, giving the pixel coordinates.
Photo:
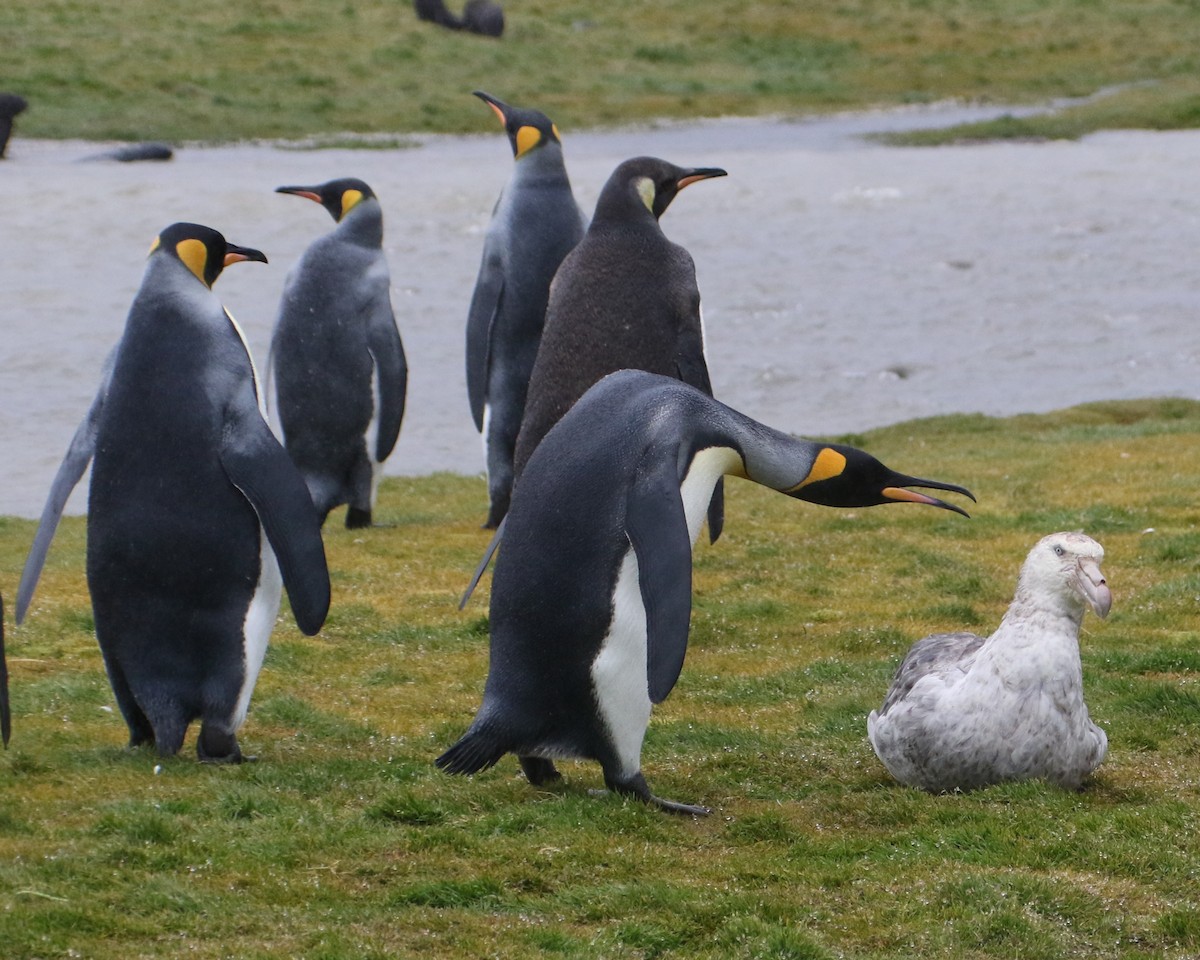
(479, 749)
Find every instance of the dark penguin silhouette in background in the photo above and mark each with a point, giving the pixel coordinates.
(135, 152)
(336, 355)
(483, 17)
(535, 224)
(479, 16)
(591, 598)
(11, 105)
(196, 515)
(624, 298)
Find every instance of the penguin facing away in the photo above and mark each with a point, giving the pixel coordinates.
(336, 355)
(196, 516)
(624, 298)
(591, 597)
(536, 222)
(966, 712)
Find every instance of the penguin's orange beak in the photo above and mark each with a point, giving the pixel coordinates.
(307, 192)
(699, 173)
(236, 254)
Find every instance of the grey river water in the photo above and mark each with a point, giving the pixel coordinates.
(845, 284)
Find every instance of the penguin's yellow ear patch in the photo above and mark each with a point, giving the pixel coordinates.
(194, 254)
(154, 246)
(829, 463)
(350, 199)
(646, 190)
(554, 130)
(527, 138)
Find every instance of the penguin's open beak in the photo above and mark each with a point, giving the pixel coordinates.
(498, 106)
(307, 192)
(698, 173)
(236, 254)
(896, 492)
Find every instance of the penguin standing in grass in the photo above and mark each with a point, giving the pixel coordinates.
(535, 224)
(591, 599)
(196, 516)
(624, 298)
(336, 355)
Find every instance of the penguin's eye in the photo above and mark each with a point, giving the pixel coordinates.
(1059, 551)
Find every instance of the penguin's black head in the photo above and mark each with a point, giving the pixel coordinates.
(843, 476)
(339, 196)
(202, 250)
(527, 129)
(648, 182)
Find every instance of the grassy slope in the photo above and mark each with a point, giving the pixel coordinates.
(142, 69)
(344, 841)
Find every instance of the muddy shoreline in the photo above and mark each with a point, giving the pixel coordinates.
(845, 284)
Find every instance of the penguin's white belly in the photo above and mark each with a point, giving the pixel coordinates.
(485, 430)
(706, 468)
(619, 670)
(259, 621)
(371, 437)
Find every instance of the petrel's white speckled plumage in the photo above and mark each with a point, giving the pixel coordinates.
(965, 712)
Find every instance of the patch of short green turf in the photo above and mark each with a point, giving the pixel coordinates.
(356, 74)
(344, 840)
(1170, 105)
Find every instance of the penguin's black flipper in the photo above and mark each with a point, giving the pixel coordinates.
(656, 525)
(387, 352)
(5, 711)
(716, 511)
(485, 307)
(260, 468)
(78, 456)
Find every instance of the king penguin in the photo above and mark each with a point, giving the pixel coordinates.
(336, 355)
(591, 597)
(624, 298)
(536, 222)
(197, 517)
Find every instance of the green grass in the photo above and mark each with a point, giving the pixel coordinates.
(1171, 105)
(343, 840)
(143, 69)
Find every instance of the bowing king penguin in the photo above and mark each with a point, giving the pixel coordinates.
(196, 518)
(336, 355)
(624, 298)
(535, 224)
(592, 592)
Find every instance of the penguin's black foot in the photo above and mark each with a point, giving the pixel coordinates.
(140, 738)
(357, 519)
(636, 786)
(496, 513)
(217, 746)
(539, 771)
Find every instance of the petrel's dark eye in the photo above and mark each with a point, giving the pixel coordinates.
(1059, 551)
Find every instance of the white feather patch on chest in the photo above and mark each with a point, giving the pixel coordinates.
(485, 431)
(259, 621)
(706, 468)
(619, 670)
(371, 437)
